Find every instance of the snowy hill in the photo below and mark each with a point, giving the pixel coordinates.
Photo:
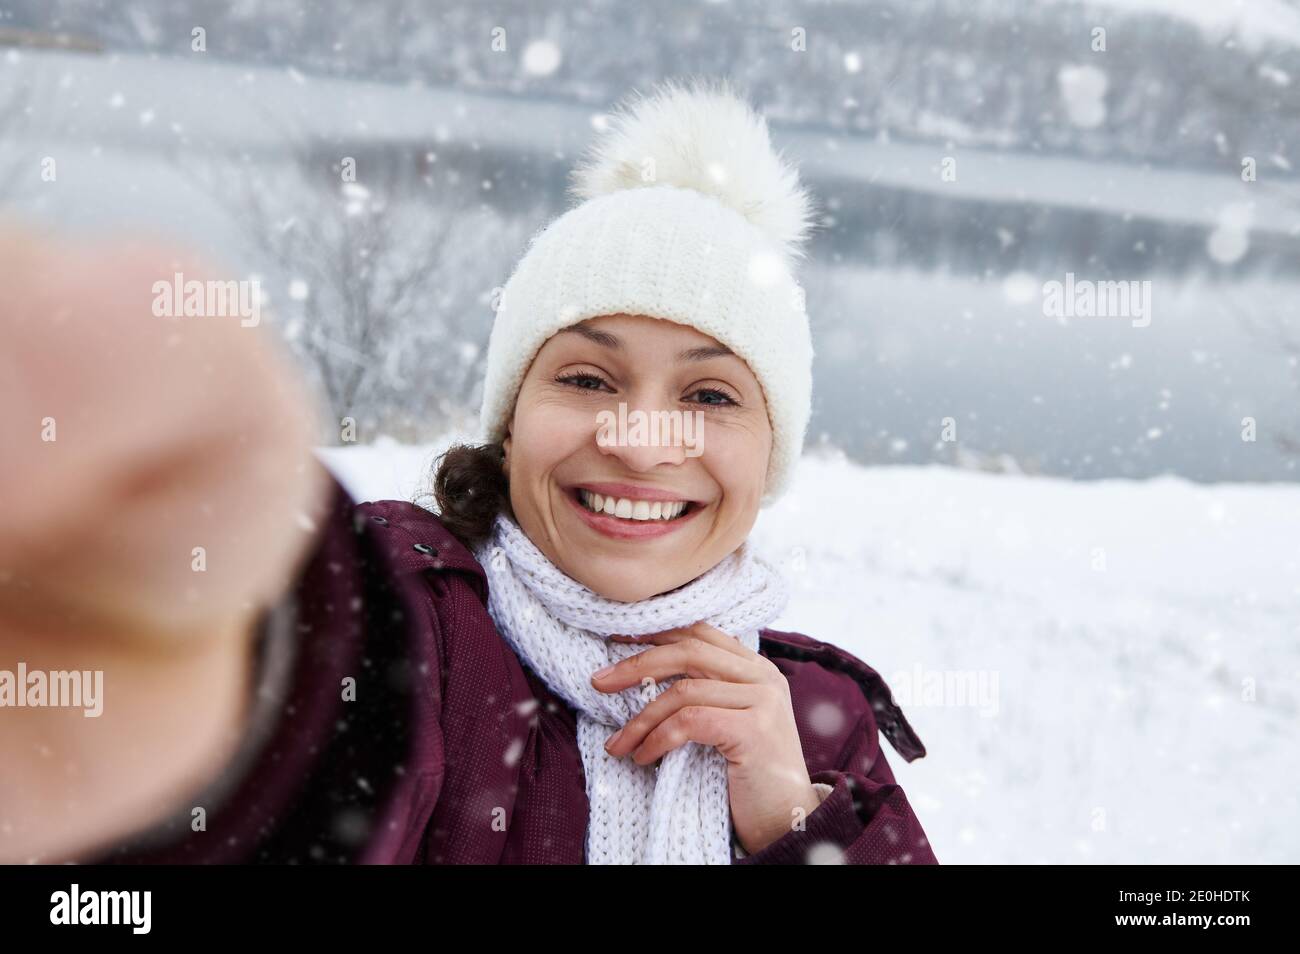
(1132, 648)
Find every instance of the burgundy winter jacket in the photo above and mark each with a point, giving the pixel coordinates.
(392, 724)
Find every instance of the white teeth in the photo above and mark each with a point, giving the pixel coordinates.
(631, 509)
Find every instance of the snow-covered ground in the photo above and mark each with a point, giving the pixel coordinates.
(1132, 648)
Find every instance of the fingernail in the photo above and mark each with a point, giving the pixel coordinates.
(609, 743)
(601, 673)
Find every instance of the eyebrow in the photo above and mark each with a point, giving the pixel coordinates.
(607, 340)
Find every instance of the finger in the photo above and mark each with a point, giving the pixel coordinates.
(688, 657)
(707, 725)
(683, 692)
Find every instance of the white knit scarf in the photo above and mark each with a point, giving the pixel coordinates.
(678, 813)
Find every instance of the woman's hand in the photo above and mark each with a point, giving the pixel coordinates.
(733, 699)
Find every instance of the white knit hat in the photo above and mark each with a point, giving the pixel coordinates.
(687, 215)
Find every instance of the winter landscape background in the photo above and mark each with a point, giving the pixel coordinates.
(1099, 534)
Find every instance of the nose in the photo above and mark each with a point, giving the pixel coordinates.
(642, 438)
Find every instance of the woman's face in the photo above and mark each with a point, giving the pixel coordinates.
(705, 439)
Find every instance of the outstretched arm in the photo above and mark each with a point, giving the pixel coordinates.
(157, 491)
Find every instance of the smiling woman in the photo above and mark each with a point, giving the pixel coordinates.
(658, 297)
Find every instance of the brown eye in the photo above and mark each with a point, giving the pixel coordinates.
(725, 398)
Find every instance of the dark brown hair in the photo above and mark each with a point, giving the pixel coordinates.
(471, 488)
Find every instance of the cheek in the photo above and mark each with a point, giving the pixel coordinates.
(546, 434)
(737, 455)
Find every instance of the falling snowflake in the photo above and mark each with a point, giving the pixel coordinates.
(541, 58)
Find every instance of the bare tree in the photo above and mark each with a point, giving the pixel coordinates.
(356, 268)
(383, 283)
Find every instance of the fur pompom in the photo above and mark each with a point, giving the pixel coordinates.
(703, 137)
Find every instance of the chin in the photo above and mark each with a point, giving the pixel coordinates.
(622, 590)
